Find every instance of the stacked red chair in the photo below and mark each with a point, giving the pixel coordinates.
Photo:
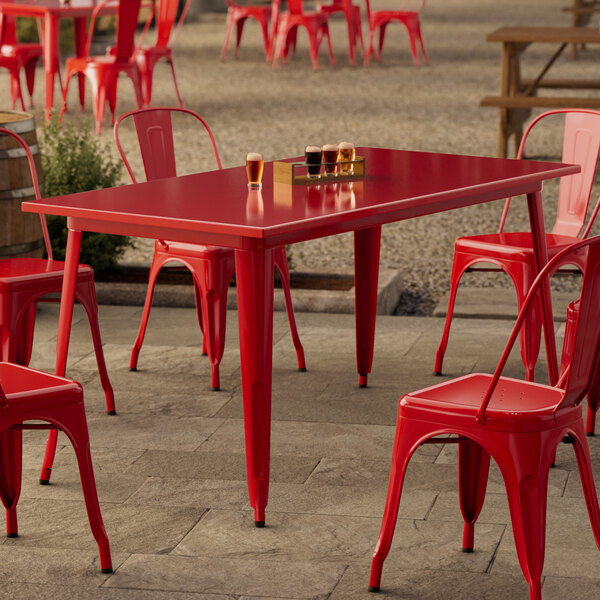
(263, 14)
(409, 15)
(517, 423)
(30, 395)
(316, 25)
(512, 252)
(212, 266)
(103, 71)
(353, 19)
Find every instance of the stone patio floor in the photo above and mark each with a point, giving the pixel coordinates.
(171, 477)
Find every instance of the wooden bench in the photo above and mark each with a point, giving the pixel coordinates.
(516, 110)
(581, 11)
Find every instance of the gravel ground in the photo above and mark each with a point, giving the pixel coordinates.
(251, 106)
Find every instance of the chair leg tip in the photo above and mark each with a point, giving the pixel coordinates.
(303, 370)
(468, 550)
(374, 590)
(437, 373)
(107, 570)
(111, 412)
(259, 523)
(12, 535)
(590, 433)
(216, 388)
(44, 482)
(133, 368)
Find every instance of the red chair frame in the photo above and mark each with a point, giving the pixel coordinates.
(25, 395)
(316, 25)
(26, 281)
(353, 20)
(211, 266)
(409, 17)
(15, 57)
(518, 423)
(103, 71)
(513, 252)
(147, 56)
(237, 15)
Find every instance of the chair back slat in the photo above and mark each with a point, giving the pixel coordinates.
(295, 7)
(167, 11)
(36, 185)
(127, 21)
(581, 146)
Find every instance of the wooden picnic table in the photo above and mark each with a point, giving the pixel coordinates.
(518, 95)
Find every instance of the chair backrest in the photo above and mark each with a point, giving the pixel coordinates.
(412, 6)
(36, 186)
(295, 6)
(165, 19)
(154, 130)
(578, 375)
(8, 30)
(581, 145)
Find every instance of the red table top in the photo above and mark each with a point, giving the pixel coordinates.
(36, 8)
(216, 207)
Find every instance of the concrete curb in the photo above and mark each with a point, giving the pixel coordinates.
(325, 301)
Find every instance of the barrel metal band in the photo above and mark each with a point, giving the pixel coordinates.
(19, 152)
(27, 192)
(21, 248)
(23, 126)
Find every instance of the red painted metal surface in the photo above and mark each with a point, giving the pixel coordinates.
(27, 394)
(518, 423)
(52, 11)
(513, 252)
(353, 20)
(216, 208)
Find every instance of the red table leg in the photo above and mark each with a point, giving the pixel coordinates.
(50, 58)
(536, 219)
(79, 31)
(64, 331)
(366, 274)
(254, 281)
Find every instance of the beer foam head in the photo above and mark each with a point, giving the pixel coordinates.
(330, 148)
(254, 156)
(312, 149)
(345, 145)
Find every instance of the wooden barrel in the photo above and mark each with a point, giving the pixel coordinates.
(20, 233)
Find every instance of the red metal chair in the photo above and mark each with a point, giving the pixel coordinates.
(513, 252)
(103, 71)
(352, 15)
(15, 57)
(409, 15)
(237, 15)
(25, 395)
(147, 56)
(316, 25)
(518, 423)
(212, 266)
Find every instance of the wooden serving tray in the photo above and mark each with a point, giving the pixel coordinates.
(294, 173)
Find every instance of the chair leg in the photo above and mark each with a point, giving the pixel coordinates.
(531, 331)
(198, 302)
(593, 399)
(584, 464)
(30, 78)
(526, 476)
(405, 442)
(15, 90)
(331, 56)
(11, 451)
(265, 34)
(239, 29)
(49, 455)
(24, 335)
(382, 30)
(413, 43)
(313, 48)
(457, 272)
(149, 88)
(279, 46)
(75, 426)
(85, 293)
(420, 38)
(371, 49)
(281, 263)
(473, 468)
(139, 340)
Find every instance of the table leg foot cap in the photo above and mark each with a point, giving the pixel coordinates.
(111, 412)
(133, 368)
(590, 434)
(437, 373)
(44, 482)
(468, 550)
(375, 590)
(12, 535)
(259, 523)
(216, 389)
(303, 370)
(107, 570)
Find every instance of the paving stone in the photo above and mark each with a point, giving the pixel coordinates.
(427, 584)
(130, 529)
(219, 466)
(300, 580)
(326, 538)
(582, 588)
(311, 439)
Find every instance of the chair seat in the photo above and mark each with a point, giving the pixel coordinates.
(516, 245)
(24, 51)
(26, 270)
(193, 250)
(157, 51)
(514, 404)
(288, 19)
(102, 61)
(18, 383)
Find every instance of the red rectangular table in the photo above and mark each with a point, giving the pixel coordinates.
(217, 208)
(52, 11)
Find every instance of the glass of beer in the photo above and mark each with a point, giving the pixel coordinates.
(330, 152)
(346, 154)
(254, 170)
(312, 158)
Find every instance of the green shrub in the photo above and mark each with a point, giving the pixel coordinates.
(27, 33)
(73, 160)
